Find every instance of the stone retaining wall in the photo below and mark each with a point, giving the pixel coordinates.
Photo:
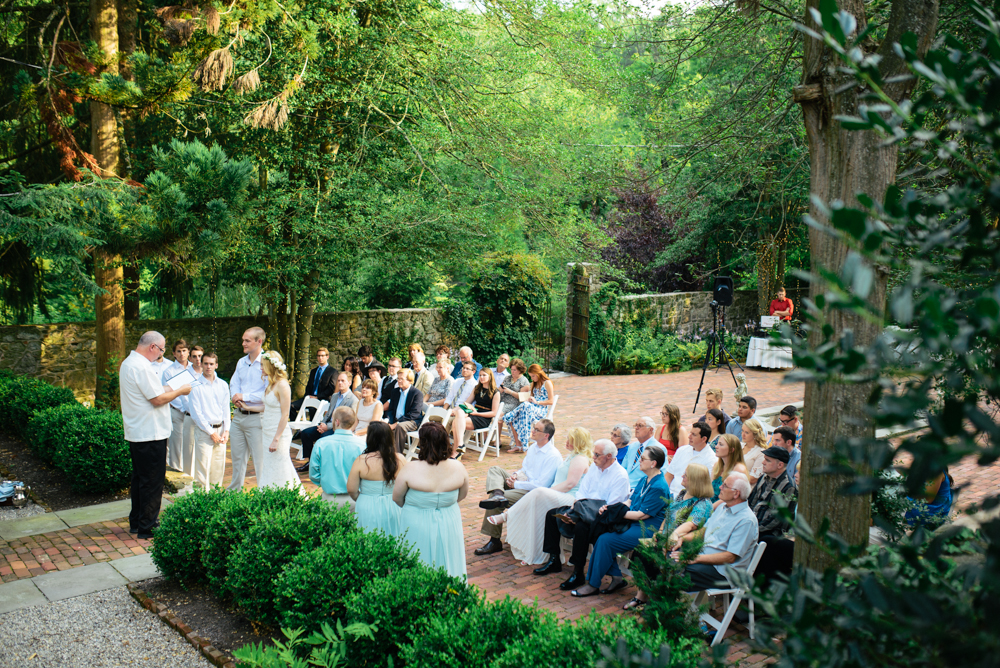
(64, 354)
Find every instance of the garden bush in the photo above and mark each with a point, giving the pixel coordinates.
(270, 544)
(93, 452)
(397, 607)
(232, 518)
(22, 397)
(312, 588)
(51, 427)
(577, 645)
(476, 638)
(177, 549)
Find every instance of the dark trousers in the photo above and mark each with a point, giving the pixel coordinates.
(777, 558)
(308, 437)
(702, 576)
(583, 535)
(149, 468)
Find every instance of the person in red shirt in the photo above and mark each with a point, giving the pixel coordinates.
(782, 306)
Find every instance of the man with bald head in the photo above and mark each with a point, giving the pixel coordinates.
(465, 355)
(146, 421)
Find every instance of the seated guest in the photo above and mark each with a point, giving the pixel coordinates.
(714, 421)
(606, 480)
(621, 434)
(321, 383)
(412, 351)
(538, 469)
(439, 389)
(671, 434)
(784, 438)
(730, 459)
(461, 388)
(352, 365)
(333, 458)
(501, 370)
(789, 417)
(443, 354)
(747, 407)
(533, 409)
(713, 399)
(369, 409)
(208, 405)
(754, 444)
(389, 385)
(343, 397)
(376, 373)
(935, 504)
(465, 355)
(526, 519)
(774, 481)
(422, 377)
(688, 514)
(695, 452)
(371, 480)
(778, 556)
(647, 510)
(512, 385)
(644, 429)
(366, 357)
(782, 306)
(405, 409)
(730, 539)
(429, 491)
(485, 404)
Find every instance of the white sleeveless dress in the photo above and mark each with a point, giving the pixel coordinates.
(276, 469)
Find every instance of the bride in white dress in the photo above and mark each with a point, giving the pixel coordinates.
(276, 469)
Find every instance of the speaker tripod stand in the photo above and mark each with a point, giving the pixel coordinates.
(715, 354)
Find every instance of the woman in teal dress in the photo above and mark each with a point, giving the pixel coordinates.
(429, 491)
(371, 481)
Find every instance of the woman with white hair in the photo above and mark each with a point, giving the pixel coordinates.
(276, 468)
(621, 434)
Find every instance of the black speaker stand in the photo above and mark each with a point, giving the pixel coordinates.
(716, 353)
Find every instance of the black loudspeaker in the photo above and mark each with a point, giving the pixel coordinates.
(722, 290)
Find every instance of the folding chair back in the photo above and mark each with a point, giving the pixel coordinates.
(730, 606)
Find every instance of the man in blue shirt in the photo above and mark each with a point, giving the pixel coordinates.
(748, 406)
(644, 429)
(333, 457)
(465, 355)
(343, 397)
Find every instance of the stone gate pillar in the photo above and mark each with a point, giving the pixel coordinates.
(583, 282)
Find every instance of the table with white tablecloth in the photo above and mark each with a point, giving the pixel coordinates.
(761, 353)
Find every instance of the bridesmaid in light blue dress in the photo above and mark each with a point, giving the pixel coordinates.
(371, 481)
(429, 491)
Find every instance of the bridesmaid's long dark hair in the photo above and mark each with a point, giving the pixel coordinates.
(379, 441)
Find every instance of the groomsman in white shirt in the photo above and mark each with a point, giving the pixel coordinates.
(209, 411)
(247, 391)
(187, 453)
(178, 407)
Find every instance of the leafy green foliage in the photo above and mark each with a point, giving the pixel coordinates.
(669, 608)
(21, 397)
(275, 540)
(398, 605)
(313, 586)
(329, 648)
(177, 549)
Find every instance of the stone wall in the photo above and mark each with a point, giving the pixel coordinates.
(64, 354)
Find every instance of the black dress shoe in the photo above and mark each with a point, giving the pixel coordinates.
(575, 580)
(492, 547)
(303, 468)
(621, 584)
(144, 536)
(497, 501)
(551, 566)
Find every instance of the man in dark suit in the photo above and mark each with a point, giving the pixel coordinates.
(367, 358)
(342, 397)
(405, 409)
(388, 389)
(321, 383)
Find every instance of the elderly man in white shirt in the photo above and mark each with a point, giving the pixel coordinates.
(606, 480)
(695, 452)
(209, 410)
(178, 407)
(146, 422)
(538, 469)
(247, 392)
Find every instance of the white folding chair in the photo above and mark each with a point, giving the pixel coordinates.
(485, 438)
(302, 423)
(412, 437)
(730, 606)
(307, 403)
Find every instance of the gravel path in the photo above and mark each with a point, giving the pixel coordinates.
(11, 513)
(107, 629)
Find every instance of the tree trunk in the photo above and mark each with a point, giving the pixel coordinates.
(304, 339)
(842, 164)
(109, 309)
(131, 290)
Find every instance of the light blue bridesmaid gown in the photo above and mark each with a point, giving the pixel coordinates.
(375, 509)
(433, 525)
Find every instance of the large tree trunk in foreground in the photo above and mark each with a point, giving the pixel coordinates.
(109, 309)
(843, 164)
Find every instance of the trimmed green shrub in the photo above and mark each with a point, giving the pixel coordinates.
(312, 588)
(233, 517)
(93, 452)
(177, 549)
(398, 605)
(476, 638)
(22, 397)
(578, 645)
(51, 427)
(269, 545)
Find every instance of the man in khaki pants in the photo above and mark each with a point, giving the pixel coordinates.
(209, 408)
(538, 469)
(247, 391)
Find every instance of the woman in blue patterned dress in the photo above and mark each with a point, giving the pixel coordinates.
(532, 410)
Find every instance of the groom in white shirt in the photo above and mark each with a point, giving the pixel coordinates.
(247, 391)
